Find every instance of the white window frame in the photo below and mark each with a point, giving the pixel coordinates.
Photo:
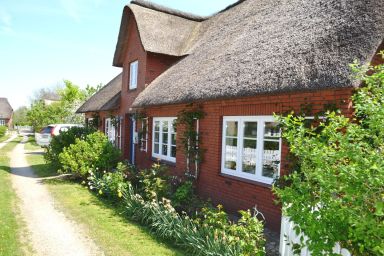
(2, 122)
(133, 74)
(144, 136)
(110, 130)
(168, 157)
(261, 120)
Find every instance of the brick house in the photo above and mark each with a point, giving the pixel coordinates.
(103, 108)
(6, 113)
(241, 65)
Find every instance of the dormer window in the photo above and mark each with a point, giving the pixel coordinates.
(133, 73)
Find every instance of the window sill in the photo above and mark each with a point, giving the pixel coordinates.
(162, 161)
(253, 182)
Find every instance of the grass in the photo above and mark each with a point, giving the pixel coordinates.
(10, 226)
(31, 144)
(5, 137)
(103, 221)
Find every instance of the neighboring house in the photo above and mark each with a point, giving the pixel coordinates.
(102, 110)
(6, 113)
(50, 99)
(241, 65)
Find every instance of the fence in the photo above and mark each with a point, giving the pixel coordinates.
(288, 237)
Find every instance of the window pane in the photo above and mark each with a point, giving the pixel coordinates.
(173, 126)
(157, 126)
(173, 151)
(165, 126)
(156, 148)
(173, 142)
(231, 128)
(157, 137)
(250, 129)
(165, 150)
(230, 153)
(165, 138)
(271, 159)
(271, 131)
(249, 156)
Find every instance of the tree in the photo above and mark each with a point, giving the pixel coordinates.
(70, 98)
(20, 116)
(335, 192)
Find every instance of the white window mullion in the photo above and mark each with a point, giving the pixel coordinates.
(240, 128)
(259, 159)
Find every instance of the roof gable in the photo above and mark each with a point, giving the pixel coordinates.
(162, 30)
(107, 98)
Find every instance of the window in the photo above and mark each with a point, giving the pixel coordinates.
(133, 73)
(2, 122)
(251, 148)
(110, 130)
(164, 138)
(144, 135)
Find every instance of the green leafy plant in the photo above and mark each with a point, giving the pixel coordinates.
(247, 233)
(94, 152)
(153, 182)
(64, 140)
(3, 130)
(191, 138)
(335, 192)
(112, 185)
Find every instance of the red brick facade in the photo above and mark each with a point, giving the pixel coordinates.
(235, 193)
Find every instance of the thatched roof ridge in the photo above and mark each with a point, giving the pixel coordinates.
(160, 8)
(107, 98)
(264, 46)
(6, 110)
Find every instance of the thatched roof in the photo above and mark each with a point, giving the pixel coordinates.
(162, 30)
(6, 110)
(269, 46)
(106, 99)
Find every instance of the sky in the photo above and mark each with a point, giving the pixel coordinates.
(43, 42)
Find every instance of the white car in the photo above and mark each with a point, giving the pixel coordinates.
(44, 137)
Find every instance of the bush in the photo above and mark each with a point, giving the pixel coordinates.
(247, 233)
(336, 191)
(3, 130)
(63, 140)
(95, 152)
(111, 185)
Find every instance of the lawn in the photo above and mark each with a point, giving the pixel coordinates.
(101, 220)
(31, 144)
(10, 225)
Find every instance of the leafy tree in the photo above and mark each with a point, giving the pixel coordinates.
(335, 192)
(63, 111)
(20, 116)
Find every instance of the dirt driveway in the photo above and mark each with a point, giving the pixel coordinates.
(51, 233)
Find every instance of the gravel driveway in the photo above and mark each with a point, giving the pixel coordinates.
(51, 233)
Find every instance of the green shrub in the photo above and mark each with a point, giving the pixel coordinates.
(3, 130)
(95, 152)
(335, 193)
(247, 233)
(111, 185)
(63, 140)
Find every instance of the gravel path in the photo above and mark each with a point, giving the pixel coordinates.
(51, 233)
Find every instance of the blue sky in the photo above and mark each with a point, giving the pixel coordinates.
(43, 42)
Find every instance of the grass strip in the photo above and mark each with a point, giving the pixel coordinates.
(10, 227)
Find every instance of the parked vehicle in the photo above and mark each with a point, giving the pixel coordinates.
(44, 137)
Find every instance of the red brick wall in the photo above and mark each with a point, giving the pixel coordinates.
(233, 193)
(151, 65)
